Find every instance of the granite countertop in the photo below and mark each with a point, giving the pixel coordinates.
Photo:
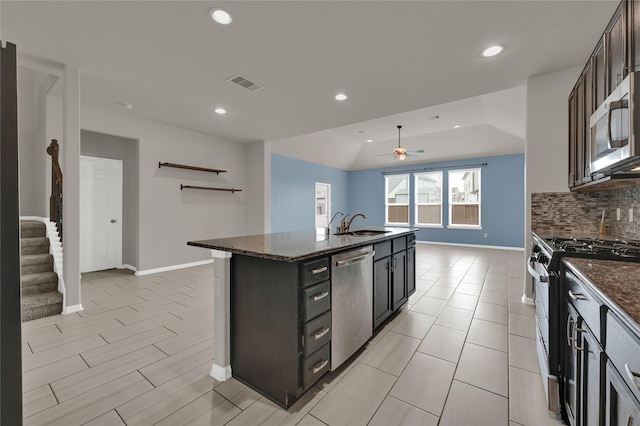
(295, 246)
(617, 282)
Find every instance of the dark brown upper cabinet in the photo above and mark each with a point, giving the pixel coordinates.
(616, 48)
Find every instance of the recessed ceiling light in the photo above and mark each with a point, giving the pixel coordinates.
(492, 51)
(369, 140)
(220, 111)
(221, 16)
(341, 97)
(457, 126)
(126, 105)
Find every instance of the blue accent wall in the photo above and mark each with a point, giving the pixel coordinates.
(502, 198)
(293, 187)
(502, 201)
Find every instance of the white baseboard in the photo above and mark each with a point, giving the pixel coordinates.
(471, 245)
(71, 309)
(173, 267)
(220, 373)
(127, 266)
(528, 300)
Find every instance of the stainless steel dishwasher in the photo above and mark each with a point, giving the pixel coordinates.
(351, 302)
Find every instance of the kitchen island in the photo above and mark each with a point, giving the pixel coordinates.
(277, 297)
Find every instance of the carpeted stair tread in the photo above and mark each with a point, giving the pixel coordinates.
(32, 229)
(35, 263)
(41, 305)
(34, 300)
(39, 283)
(36, 245)
(31, 259)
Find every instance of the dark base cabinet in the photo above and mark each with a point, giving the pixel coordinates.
(601, 367)
(280, 325)
(622, 408)
(394, 276)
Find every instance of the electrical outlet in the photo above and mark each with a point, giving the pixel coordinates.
(631, 214)
(618, 213)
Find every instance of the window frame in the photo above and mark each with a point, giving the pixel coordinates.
(451, 203)
(417, 203)
(386, 200)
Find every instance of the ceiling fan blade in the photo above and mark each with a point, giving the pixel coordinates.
(417, 151)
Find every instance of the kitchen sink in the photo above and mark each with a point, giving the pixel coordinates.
(365, 232)
(368, 232)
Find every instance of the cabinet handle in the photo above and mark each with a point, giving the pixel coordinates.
(319, 366)
(629, 420)
(569, 332)
(319, 270)
(632, 375)
(320, 296)
(575, 339)
(576, 296)
(320, 334)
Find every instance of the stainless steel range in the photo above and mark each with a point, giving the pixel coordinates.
(546, 270)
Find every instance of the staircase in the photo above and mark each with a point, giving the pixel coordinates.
(40, 295)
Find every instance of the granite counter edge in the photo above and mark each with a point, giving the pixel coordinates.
(283, 258)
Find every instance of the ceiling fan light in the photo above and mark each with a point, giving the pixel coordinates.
(401, 156)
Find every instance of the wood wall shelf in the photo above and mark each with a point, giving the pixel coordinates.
(183, 166)
(209, 188)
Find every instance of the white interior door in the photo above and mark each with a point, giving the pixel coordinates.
(323, 204)
(100, 213)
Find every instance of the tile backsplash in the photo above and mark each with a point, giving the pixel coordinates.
(569, 213)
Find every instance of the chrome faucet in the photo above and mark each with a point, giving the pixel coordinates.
(351, 220)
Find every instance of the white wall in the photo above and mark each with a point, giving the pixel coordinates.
(32, 87)
(546, 142)
(169, 217)
(258, 166)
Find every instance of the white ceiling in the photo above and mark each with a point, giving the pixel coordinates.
(171, 62)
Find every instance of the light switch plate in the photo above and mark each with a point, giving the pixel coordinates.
(631, 214)
(618, 213)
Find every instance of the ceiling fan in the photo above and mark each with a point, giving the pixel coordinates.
(400, 152)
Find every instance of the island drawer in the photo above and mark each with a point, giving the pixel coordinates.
(315, 271)
(399, 244)
(315, 365)
(382, 250)
(623, 348)
(317, 299)
(317, 333)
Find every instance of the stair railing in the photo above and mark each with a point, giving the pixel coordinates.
(55, 200)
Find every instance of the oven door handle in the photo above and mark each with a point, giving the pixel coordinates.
(535, 274)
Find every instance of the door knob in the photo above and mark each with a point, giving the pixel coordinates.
(113, 221)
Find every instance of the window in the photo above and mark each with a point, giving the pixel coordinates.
(428, 199)
(397, 199)
(464, 198)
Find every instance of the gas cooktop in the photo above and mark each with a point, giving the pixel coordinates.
(599, 248)
(550, 251)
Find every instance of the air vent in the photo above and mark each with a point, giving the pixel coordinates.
(244, 82)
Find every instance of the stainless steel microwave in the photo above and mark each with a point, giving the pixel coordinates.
(615, 129)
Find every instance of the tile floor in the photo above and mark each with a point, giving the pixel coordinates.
(461, 352)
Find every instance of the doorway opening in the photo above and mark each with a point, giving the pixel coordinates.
(323, 205)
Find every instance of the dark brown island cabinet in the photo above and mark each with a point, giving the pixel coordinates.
(281, 302)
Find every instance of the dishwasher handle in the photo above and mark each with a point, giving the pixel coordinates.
(356, 259)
